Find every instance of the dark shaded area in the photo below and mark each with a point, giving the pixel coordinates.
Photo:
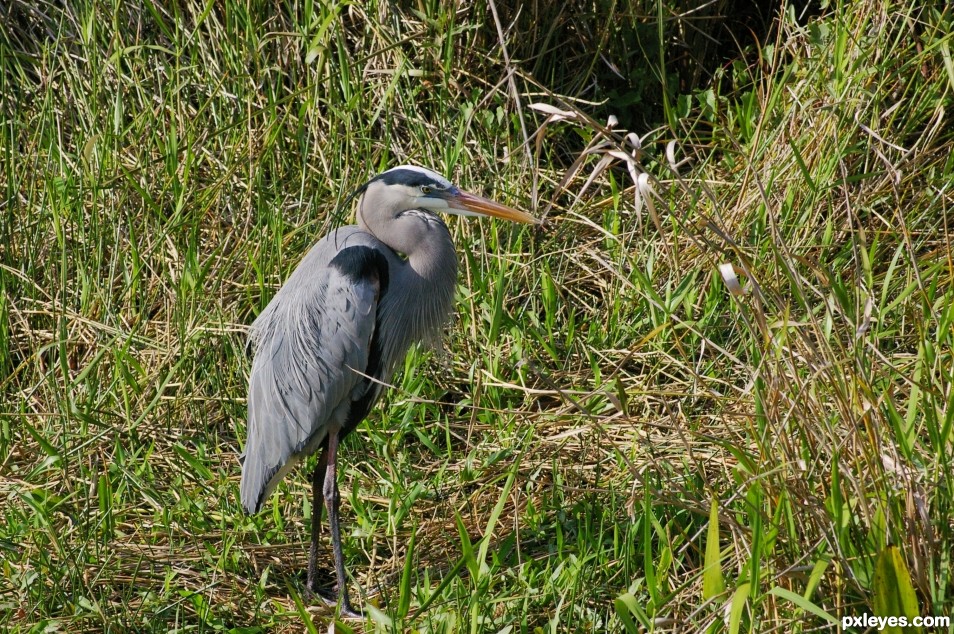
(610, 53)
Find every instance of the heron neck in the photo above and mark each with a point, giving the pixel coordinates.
(434, 269)
(435, 262)
(427, 289)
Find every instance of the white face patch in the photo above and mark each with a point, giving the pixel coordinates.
(423, 201)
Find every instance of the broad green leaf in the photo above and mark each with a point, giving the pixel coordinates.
(712, 581)
(627, 607)
(815, 578)
(736, 607)
(893, 593)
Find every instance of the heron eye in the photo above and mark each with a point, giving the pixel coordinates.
(426, 189)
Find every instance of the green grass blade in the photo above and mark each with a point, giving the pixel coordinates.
(804, 604)
(713, 583)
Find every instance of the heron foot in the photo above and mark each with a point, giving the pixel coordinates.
(346, 611)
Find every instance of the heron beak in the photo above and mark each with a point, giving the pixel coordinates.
(463, 202)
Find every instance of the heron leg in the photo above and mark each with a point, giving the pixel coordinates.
(332, 498)
(317, 503)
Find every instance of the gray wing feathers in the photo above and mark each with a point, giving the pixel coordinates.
(311, 347)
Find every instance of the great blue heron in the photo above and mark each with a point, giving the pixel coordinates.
(333, 334)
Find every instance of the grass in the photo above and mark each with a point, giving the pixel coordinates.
(610, 440)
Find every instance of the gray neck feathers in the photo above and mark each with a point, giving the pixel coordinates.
(422, 292)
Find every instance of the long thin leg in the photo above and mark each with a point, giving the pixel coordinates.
(317, 503)
(331, 501)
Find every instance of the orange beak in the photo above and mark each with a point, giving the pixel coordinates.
(461, 201)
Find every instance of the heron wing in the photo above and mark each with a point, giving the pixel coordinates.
(313, 344)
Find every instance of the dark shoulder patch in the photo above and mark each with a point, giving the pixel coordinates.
(359, 264)
(362, 262)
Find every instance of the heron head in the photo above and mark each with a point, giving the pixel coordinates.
(408, 187)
